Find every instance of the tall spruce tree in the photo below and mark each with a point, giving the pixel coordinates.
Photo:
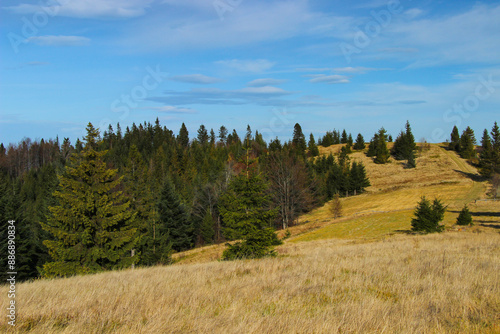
(142, 202)
(183, 137)
(173, 226)
(486, 155)
(91, 224)
(246, 213)
(404, 146)
(467, 144)
(313, 149)
(454, 140)
(381, 152)
(299, 140)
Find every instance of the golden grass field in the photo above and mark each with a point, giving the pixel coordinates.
(362, 273)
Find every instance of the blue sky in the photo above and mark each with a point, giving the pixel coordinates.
(357, 65)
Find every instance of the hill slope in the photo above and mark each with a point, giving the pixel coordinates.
(359, 273)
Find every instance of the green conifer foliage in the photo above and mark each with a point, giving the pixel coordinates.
(174, 225)
(428, 216)
(381, 152)
(464, 217)
(246, 213)
(454, 140)
(91, 225)
(360, 142)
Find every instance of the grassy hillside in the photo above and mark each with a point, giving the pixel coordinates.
(357, 274)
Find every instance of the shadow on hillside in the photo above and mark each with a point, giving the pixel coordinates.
(473, 177)
(481, 214)
(488, 224)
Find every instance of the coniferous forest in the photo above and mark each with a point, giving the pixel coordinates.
(118, 198)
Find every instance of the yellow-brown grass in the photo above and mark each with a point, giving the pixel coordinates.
(356, 274)
(445, 283)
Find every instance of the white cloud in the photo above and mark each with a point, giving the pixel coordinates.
(195, 79)
(266, 95)
(248, 23)
(86, 8)
(265, 82)
(256, 66)
(59, 40)
(175, 110)
(413, 13)
(468, 37)
(329, 79)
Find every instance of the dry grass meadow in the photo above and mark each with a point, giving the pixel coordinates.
(362, 273)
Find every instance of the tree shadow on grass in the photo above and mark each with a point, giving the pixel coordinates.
(472, 176)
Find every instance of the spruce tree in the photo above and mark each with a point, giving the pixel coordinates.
(381, 152)
(464, 217)
(91, 224)
(358, 179)
(467, 144)
(173, 224)
(454, 140)
(313, 149)
(343, 138)
(299, 140)
(428, 216)
(142, 202)
(486, 156)
(202, 135)
(247, 215)
(207, 231)
(360, 142)
(183, 138)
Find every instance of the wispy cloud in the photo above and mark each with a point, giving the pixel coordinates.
(329, 79)
(59, 40)
(214, 96)
(195, 79)
(265, 82)
(87, 8)
(256, 66)
(174, 110)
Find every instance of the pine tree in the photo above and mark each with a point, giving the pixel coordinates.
(464, 217)
(381, 152)
(454, 140)
(404, 146)
(428, 216)
(173, 224)
(343, 138)
(360, 142)
(142, 202)
(495, 154)
(486, 156)
(313, 149)
(202, 135)
(358, 179)
(183, 138)
(207, 229)
(467, 144)
(223, 134)
(92, 222)
(246, 213)
(299, 140)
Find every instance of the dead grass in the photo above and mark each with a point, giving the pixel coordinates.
(446, 283)
(356, 274)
